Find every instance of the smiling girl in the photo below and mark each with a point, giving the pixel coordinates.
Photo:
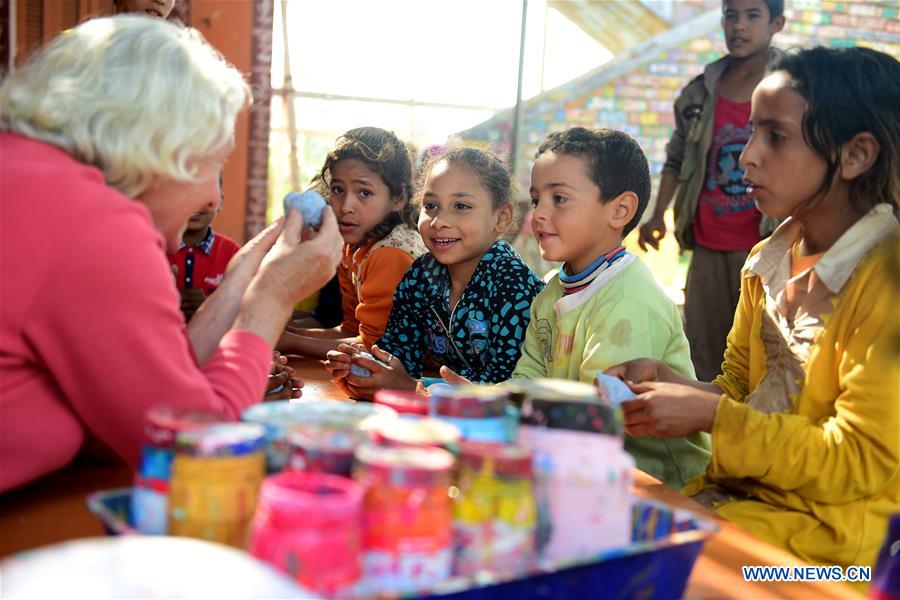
(369, 178)
(466, 303)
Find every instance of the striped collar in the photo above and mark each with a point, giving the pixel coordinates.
(579, 281)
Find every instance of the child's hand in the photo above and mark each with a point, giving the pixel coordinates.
(191, 299)
(281, 375)
(651, 233)
(390, 375)
(338, 366)
(639, 370)
(453, 378)
(669, 410)
(337, 362)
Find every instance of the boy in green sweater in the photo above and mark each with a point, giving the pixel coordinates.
(589, 188)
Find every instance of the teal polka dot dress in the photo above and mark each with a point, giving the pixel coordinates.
(481, 338)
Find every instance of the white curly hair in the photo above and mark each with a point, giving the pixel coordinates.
(139, 98)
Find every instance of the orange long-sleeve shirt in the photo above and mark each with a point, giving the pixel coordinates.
(369, 275)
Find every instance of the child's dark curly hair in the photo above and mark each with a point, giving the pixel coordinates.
(614, 160)
(387, 155)
(490, 169)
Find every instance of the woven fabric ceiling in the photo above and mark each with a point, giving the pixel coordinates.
(616, 24)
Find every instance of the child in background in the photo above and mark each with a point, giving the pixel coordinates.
(201, 260)
(369, 178)
(714, 215)
(326, 314)
(589, 189)
(154, 8)
(805, 416)
(466, 302)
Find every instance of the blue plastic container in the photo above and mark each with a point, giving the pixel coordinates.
(657, 564)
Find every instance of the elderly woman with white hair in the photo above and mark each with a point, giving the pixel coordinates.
(110, 138)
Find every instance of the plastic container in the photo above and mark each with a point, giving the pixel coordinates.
(278, 418)
(151, 482)
(583, 475)
(657, 563)
(418, 431)
(409, 403)
(309, 526)
(407, 517)
(571, 405)
(325, 439)
(479, 411)
(494, 511)
(665, 543)
(215, 480)
(582, 492)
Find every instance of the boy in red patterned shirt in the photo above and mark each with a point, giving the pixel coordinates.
(201, 260)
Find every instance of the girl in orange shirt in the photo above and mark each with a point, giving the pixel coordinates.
(369, 178)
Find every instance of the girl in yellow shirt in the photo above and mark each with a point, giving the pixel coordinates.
(805, 416)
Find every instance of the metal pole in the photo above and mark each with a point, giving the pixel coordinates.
(517, 111)
(289, 100)
(544, 45)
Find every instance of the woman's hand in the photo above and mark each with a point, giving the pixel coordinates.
(390, 375)
(217, 314)
(669, 410)
(289, 271)
(245, 263)
(293, 270)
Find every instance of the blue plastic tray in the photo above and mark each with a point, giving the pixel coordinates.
(657, 563)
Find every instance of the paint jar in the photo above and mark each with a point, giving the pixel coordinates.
(407, 517)
(494, 511)
(216, 476)
(418, 431)
(405, 403)
(326, 436)
(480, 411)
(309, 526)
(278, 417)
(150, 496)
(583, 475)
(571, 405)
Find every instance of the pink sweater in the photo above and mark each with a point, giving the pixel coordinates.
(91, 335)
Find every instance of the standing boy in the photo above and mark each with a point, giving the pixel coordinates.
(714, 216)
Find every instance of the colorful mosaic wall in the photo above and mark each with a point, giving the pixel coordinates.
(635, 94)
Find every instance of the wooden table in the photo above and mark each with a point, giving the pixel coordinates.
(53, 509)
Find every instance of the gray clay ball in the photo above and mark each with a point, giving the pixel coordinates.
(359, 371)
(310, 203)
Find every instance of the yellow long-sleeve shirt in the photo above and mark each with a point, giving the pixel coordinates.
(815, 470)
